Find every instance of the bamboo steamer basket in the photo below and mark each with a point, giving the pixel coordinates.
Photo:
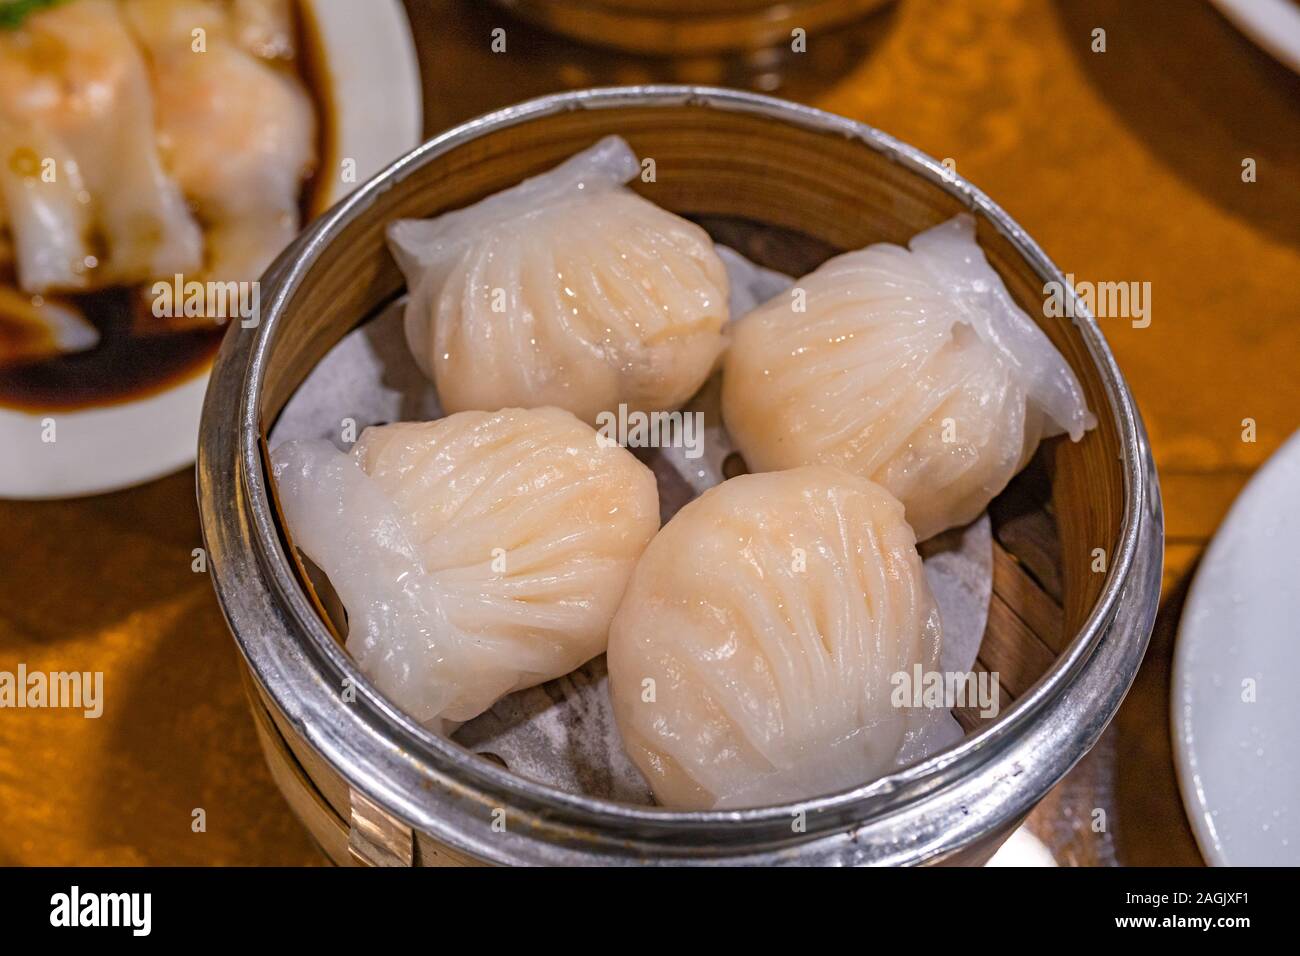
(689, 27)
(374, 787)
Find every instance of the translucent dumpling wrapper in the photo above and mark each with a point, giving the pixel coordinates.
(90, 201)
(475, 555)
(33, 328)
(567, 290)
(753, 656)
(248, 192)
(912, 367)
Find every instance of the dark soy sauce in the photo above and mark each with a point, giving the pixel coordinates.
(125, 365)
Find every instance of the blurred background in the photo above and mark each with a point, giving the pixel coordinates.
(1125, 165)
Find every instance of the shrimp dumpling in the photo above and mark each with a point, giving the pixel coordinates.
(265, 28)
(751, 658)
(247, 192)
(74, 94)
(475, 555)
(568, 290)
(911, 367)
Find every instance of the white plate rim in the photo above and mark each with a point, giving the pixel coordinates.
(1273, 25)
(1186, 766)
(376, 95)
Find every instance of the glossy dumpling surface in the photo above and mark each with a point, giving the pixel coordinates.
(247, 192)
(475, 555)
(751, 659)
(912, 367)
(567, 290)
(75, 94)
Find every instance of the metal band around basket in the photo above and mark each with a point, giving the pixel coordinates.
(927, 811)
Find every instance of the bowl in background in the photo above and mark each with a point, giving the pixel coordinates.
(688, 27)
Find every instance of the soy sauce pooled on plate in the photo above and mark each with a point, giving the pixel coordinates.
(183, 165)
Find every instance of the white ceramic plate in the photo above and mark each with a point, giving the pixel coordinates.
(374, 84)
(1235, 706)
(1273, 24)
(1022, 849)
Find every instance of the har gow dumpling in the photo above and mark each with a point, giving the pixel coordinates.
(750, 661)
(911, 367)
(567, 290)
(476, 555)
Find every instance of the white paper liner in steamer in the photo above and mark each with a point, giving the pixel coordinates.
(563, 732)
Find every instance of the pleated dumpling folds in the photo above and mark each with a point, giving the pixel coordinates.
(753, 658)
(475, 555)
(912, 367)
(568, 290)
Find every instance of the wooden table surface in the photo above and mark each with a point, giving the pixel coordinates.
(1125, 165)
